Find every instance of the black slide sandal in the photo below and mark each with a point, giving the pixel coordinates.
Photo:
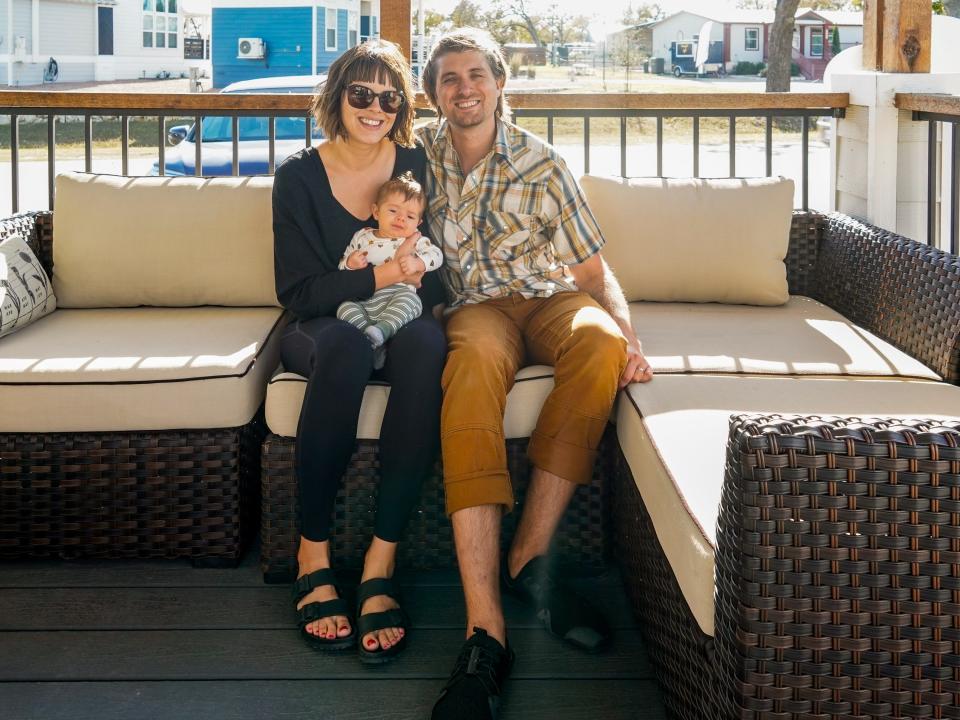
(318, 610)
(371, 622)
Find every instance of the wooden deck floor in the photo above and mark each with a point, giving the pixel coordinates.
(156, 640)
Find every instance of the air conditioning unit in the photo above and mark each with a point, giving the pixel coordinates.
(251, 48)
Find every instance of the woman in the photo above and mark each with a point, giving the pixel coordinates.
(322, 196)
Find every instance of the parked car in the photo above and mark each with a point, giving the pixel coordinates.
(217, 147)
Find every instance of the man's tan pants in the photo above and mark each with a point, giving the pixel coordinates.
(487, 343)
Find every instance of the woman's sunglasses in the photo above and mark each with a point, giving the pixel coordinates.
(361, 97)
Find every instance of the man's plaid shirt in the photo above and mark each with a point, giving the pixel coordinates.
(513, 224)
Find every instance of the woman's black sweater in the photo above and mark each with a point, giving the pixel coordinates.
(311, 229)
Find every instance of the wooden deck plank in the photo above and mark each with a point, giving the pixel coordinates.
(281, 655)
(263, 607)
(354, 700)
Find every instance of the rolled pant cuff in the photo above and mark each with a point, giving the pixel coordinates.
(483, 489)
(570, 462)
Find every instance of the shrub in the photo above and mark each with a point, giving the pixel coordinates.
(747, 68)
(794, 69)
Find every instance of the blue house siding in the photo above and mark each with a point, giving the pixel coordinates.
(326, 57)
(283, 30)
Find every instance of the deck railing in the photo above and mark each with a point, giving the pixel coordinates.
(942, 114)
(551, 107)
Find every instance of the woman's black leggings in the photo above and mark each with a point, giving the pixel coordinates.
(338, 360)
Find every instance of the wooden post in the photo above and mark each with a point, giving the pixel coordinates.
(896, 35)
(395, 23)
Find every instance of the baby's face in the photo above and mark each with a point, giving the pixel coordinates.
(397, 217)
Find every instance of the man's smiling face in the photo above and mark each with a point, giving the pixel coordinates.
(467, 90)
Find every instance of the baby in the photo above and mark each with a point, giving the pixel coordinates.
(398, 209)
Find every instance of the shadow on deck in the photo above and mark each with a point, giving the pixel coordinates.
(158, 639)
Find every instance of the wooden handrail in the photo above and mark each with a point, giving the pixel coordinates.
(206, 103)
(929, 102)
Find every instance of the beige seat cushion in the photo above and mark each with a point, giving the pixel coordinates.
(673, 432)
(167, 242)
(695, 240)
(138, 369)
(803, 337)
(285, 396)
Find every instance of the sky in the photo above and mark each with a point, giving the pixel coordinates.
(606, 11)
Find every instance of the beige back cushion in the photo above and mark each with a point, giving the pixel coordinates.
(696, 240)
(169, 242)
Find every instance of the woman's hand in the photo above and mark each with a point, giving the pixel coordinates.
(412, 265)
(391, 273)
(357, 260)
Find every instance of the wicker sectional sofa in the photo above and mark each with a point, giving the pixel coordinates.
(132, 418)
(784, 497)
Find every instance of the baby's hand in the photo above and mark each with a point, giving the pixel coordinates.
(357, 260)
(409, 244)
(412, 265)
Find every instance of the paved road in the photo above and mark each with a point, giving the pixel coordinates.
(604, 160)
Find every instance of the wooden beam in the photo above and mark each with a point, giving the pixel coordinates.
(395, 24)
(209, 103)
(896, 35)
(931, 103)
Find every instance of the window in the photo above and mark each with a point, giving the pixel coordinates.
(331, 28)
(353, 29)
(816, 42)
(160, 23)
(751, 40)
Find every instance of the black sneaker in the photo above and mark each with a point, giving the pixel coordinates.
(560, 610)
(473, 690)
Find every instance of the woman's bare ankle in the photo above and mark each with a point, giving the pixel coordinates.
(380, 559)
(313, 555)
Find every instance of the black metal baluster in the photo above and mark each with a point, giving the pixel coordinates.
(88, 143)
(733, 146)
(586, 144)
(623, 146)
(15, 163)
(768, 145)
(51, 156)
(550, 129)
(931, 182)
(308, 128)
(271, 144)
(162, 145)
(235, 145)
(955, 190)
(696, 146)
(124, 145)
(805, 168)
(659, 145)
(198, 146)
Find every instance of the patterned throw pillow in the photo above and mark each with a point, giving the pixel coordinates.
(25, 290)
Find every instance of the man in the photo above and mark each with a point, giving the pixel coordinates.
(526, 282)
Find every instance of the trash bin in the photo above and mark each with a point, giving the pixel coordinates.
(656, 65)
(646, 66)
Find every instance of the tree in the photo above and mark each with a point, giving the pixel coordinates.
(835, 41)
(467, 14)
(518, 9)
(780, 53)
(645, 12)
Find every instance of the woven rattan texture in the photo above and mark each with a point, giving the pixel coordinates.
(844, 567)
(801, 260)
(904, 291)
(182, 493)
(428, 541)
(683, 657)
(37, 229)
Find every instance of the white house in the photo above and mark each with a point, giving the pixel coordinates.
(744, 35)
(83, 40)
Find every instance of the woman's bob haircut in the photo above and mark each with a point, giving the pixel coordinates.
(375, 61)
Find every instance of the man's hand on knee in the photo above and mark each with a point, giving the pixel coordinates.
(637, 369)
